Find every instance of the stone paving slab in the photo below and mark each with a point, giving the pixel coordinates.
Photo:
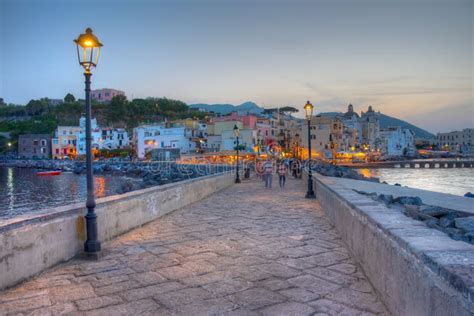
(245, 250)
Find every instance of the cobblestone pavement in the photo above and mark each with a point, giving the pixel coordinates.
(246, 250)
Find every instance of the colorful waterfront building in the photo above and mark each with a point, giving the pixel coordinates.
(34, 146)
(397, 141)
(63, 144)
(462, 141)
(149, 137)
(106, 94)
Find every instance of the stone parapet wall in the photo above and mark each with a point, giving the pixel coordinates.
(32, 244)
(416, 270)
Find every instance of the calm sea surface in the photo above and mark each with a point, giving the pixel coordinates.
(446, 180)
(22, 191)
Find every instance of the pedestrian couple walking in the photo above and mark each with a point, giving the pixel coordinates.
(269, 169)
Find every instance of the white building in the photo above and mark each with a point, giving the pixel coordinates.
(397, 141)
(148, 137)
(114, 138)
(106, 138)
(247, 139)
(214, 143)
(462, 141)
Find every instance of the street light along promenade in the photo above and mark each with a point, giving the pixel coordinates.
(88, 51)
(308, 108)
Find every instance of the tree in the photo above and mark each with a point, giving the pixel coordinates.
(2, 103)
(116, 110)
(37, 107)
(288, 109)
(69, 98)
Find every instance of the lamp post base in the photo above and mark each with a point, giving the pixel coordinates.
(310, 195)
(93, 256)
(92, 246)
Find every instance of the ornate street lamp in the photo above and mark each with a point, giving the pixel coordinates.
(88, 49)
(308, 108)
(237, 134)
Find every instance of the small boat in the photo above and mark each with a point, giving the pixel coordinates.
(48, 173)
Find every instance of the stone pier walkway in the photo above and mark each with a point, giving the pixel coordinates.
(243, 251)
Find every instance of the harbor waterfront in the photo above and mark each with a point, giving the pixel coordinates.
(457, 181)
(22, 191)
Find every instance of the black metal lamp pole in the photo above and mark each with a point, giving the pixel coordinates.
(237, 133)
(309, 113)
(92, 244)
(237, 177)
(88, 49)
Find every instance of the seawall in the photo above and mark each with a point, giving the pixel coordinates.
(415, 270)
(34, 243)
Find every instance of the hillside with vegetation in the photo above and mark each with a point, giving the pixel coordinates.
(43, 115)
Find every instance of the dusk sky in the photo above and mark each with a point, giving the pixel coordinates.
(409, 59)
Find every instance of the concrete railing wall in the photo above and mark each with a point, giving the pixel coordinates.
(29, 246)
(415, 270)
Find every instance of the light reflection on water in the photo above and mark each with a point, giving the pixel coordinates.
(22, 191)
(455, 181)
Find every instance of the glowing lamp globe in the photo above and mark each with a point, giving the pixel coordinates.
(236, 130)
(308, 108)
(88, 50)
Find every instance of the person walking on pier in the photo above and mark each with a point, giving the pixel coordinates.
(281, 170)
(268, 173)
(295, 165)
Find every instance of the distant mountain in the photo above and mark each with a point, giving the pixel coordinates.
(246, 107)
(387, 121)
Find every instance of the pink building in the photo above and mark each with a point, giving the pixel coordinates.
(249, 121)
(105, 95)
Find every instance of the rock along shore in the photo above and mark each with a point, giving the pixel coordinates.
(150, 173)
(456, 224)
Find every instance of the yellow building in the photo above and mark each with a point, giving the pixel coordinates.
(220, 127)
(64, 142)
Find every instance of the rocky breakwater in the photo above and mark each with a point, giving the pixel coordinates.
(137, 175)
(141, 175)
(456, 224)
(330, 170)
(63, 165)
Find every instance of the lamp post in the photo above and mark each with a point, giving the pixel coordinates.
(308, 108)
(333, 153)
(259, 134)
(88, 49)
(297, 141)
(237, 134)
